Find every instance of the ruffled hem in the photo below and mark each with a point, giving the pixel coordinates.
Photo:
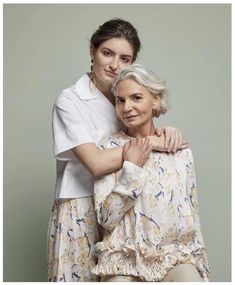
(148, 264)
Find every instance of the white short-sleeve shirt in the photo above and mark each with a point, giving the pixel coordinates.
(81, 114)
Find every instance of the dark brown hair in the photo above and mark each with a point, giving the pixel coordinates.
(116, 28)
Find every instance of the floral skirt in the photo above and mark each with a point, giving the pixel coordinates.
(72, 233)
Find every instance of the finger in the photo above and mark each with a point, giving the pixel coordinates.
(167, 138)
(132, 142)
(180, 140)
(159, 131)
(149, 149)
(176, 143)
(126, 146)
(139, 141)
(146, 143)
(171, 141)
(175, 147)
(184, 145)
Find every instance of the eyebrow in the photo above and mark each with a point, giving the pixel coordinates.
(134, 94)
(126, 55)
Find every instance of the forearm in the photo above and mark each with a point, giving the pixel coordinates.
(99, 162)
(112, 210)
(121, 196)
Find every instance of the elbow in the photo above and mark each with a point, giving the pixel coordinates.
(95, 172)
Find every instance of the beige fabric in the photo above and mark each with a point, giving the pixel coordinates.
(150, 215)
(72, 233)
(183, 273)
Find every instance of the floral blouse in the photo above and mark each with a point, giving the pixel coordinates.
(150, 216)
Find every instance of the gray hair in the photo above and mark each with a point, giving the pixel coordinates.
(148, 79)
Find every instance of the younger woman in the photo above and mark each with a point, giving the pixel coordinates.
(149, 208)
(82, 115)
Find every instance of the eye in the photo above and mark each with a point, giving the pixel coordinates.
(119, 101)
(106, 53)
(126, 59)
(137, 98)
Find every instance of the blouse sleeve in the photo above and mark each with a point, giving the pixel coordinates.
(200, 255)
(115, 196)
(69, 128)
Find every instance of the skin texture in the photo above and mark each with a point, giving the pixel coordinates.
(109, 59)
(134, 106)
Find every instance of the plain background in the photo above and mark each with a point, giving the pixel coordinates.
(46, 50)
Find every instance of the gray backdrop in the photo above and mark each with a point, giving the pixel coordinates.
(46, 50)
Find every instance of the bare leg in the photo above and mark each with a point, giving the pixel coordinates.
(183, 273)
(120, 278)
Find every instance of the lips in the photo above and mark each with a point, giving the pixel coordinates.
(112, 74)
(130, 117)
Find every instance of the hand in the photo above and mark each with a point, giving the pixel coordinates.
(137, 150)
(173, 138)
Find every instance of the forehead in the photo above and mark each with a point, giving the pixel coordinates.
(118, 45)
(128, 87)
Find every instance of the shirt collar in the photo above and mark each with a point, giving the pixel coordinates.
(85, 89)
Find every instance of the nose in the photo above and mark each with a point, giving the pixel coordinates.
(127, 106)
(114, 64)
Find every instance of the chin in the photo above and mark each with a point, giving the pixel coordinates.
(108, 80)
(131, 125)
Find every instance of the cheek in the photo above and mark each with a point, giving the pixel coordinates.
(147, 108)
(123, 65)
(100, 61)
(118, 112)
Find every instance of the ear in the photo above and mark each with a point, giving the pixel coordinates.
(156, 101)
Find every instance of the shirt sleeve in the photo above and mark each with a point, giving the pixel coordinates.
(115, 196)
(200, 255)
(69, 129)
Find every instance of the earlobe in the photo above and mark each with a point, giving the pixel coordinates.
(156, 105)
(156, 102)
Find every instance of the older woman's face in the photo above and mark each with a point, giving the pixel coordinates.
(134, 103)
(110, 58)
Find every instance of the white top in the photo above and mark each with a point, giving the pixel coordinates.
(81, 114)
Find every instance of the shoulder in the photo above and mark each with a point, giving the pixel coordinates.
(67, 94)
(185, 155)
(68, 97)
(181, 156)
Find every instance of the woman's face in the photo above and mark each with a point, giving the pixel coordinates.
(134, 103)
(110, 58)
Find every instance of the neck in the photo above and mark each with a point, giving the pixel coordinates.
(104, 87)
(141, 131)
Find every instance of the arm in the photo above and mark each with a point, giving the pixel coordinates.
(101, 162)
(114, 197)
(73, 137)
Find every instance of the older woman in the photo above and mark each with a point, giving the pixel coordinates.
(149, 208)
(82, 115)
